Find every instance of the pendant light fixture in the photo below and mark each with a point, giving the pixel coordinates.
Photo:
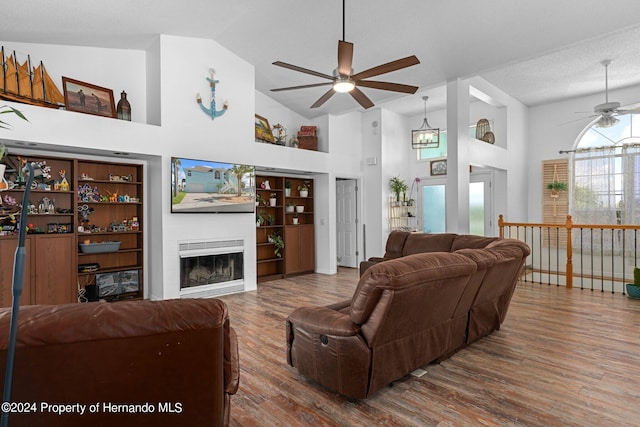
(426, 136)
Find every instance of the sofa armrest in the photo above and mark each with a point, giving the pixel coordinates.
(364, 265)
(340, 306)
(231, 363)
(323, 320)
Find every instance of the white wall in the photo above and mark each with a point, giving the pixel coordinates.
(184, 131)
(556, 126)
(115, 69)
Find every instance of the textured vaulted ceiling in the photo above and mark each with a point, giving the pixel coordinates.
(537, 51)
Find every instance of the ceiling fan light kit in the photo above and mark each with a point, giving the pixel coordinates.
(344, 80)
(343, 85)
(426, 136)
(608, 111)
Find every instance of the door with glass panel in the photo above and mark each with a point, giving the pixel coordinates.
(480, 212)
(434, 215)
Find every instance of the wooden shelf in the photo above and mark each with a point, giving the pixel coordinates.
(111, 270)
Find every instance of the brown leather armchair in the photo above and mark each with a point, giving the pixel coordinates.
(177, 357)
(399, 319)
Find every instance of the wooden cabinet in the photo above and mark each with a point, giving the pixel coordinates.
(110, 203)
(285, 209)
(300, 249)
(49, 276)
(8, 247)
(54, 269)
(57, 207)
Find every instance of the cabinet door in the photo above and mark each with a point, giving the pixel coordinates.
(299, 249)
(7, 254)
(307, 248)
(291, 249)
(55, 275)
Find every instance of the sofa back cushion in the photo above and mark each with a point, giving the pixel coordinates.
(418, 243)
(124, 352)
(395, 243)
(423, 281)
(470, 241)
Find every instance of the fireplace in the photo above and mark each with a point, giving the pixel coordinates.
(211, 267)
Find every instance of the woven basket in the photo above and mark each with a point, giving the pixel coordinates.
(633, 291)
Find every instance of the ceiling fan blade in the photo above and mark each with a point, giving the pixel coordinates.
(581, 119)
(300, 87)
(631, 111)
(324, 98)
(387, 68)
(345, 57)
(395, 87)
(361, 98)
(302, 70)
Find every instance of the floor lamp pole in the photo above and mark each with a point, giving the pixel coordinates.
(16, 292)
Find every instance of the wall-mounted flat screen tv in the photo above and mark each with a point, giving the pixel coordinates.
(200, 186)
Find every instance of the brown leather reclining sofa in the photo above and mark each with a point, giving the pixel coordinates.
(403, 243)
(405, 313)
(143, 363)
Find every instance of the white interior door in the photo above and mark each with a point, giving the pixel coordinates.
(480, 208)
(347, 223)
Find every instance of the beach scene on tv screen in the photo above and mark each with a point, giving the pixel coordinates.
(203, 186)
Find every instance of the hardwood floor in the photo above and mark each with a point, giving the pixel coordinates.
(563, 357)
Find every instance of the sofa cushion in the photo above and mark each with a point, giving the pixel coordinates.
(470, 241)
(395, 243)
(417, 243)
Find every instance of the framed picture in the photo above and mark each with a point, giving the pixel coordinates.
(438, 167)
(263, 130)
(87, 98)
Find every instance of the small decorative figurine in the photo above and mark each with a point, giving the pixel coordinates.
(64, 184)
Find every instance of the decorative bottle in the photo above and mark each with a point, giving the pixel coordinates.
(124, 108)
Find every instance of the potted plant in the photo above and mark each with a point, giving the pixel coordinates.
(300, 208)
(278, 243)
(398, 186)
(287, 188)
(556, 187)
(633, 289)
(5, 109)
(304, 189)
(259, 219)
(273, 199)
(295, 219)
(289, 207)
(259, 200)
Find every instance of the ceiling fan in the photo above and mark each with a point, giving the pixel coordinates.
(343, 79)
(609, 110)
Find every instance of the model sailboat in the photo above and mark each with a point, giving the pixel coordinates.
(18, 83)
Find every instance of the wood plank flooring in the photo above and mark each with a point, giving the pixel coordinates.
(563, 357)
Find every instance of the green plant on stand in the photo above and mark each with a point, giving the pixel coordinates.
(633, 289)
(398, 186)
(278, 243)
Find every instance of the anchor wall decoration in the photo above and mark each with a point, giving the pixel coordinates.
(211, 112)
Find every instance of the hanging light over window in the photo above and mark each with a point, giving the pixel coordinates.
(426, 136)
(607, 121)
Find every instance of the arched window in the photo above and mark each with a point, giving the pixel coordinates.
(606, 174)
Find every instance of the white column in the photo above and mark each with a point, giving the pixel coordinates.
(458, 141)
